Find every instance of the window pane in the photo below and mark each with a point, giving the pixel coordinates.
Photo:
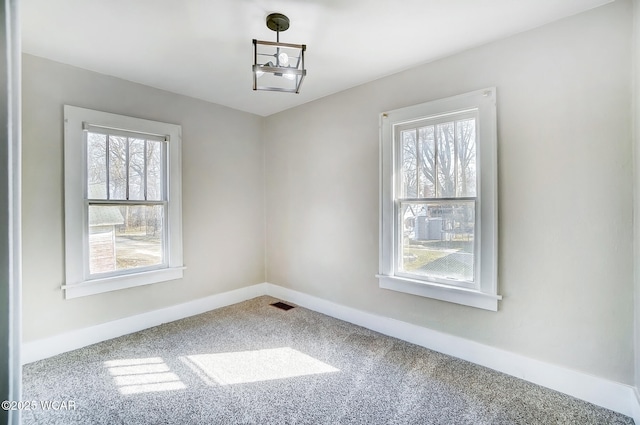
(466, 157)
(445, 161)
(427, 162)
(409, 167)
(96, 166)
(125, 237)
(154, 170)
(438, 239)
(117, 167)
(136, 169)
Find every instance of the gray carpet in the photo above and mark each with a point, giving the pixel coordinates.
(252, 363)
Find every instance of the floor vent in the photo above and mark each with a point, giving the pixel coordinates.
(282, 306)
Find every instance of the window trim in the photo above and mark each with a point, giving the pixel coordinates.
(76, 122)
(484, 295)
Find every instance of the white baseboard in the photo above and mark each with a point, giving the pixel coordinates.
(636, 407)
(49, 347)
(602, 392)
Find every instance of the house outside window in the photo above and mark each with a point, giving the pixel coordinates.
(438, 235)
(122, 202)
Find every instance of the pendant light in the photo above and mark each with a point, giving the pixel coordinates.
(278, 66)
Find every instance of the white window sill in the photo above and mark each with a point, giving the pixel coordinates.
(98, 286)
(468, 297)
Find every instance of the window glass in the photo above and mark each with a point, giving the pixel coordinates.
(96, 166)
(436, 235)
(438, 239)
(125, 237)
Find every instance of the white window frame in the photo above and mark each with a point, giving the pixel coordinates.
(78, 281)
(483, 292)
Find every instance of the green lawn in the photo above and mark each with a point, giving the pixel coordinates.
(427, 257)
(423, 256)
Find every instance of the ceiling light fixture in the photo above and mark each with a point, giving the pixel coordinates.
(278, 66)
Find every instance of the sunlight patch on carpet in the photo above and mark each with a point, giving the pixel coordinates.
(136, 376)
(255, 366)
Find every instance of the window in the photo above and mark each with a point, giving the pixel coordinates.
(438, 226)
(123, 206)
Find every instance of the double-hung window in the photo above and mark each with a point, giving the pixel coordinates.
(438, 212)
(122, 202)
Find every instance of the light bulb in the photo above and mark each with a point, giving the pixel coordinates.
(261, 73)
(283, 58)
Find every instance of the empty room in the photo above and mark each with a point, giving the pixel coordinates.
(320, 212)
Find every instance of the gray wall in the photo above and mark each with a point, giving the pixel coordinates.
(223, 196)
(565, 205)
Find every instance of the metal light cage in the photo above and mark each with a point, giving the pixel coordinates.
(270, 74)
(278, 66)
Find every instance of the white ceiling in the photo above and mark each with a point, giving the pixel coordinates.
(203, 49)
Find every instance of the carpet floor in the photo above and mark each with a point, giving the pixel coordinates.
(252, 363)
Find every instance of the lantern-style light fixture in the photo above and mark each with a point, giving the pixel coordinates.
(278, 66)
